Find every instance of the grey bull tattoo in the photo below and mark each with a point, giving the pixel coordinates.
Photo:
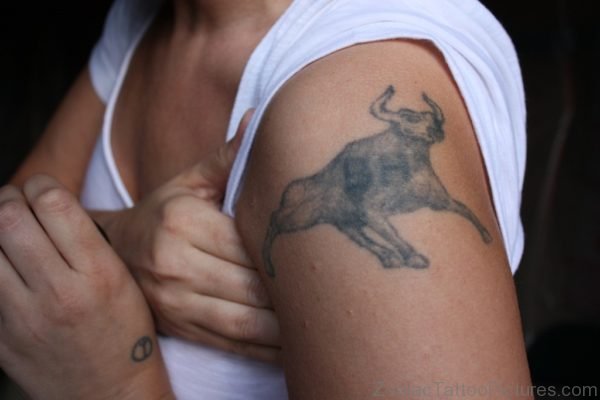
(370, 180)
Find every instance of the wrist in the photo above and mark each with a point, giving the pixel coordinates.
(106, 223)
(153, 385)
(148, 381)
(112, 226)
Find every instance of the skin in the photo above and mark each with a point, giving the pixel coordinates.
(74, 125)
(347, 324)
(70, 314)
(365, 311)
(232, 312)
(201, 287)
(200, 282)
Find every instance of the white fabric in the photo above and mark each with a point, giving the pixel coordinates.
(477, 50)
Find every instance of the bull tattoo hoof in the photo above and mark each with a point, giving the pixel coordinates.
(392, 261)
(417, 261)
(370, 180)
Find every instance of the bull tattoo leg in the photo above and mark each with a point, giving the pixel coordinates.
(386, 256)
(410, 257)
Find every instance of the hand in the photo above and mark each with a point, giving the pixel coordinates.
(73, 323)
(191, 265)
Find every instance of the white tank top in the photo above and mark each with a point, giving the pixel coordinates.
(477, 50)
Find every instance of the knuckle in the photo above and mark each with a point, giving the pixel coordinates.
(165, 266)
(210, 278)
(256, 292)
(237, 347)
(161, 297)
(174, 213)
(157, 252)
(55, 199)
(246, 325)
(11, 214)
(164, 303)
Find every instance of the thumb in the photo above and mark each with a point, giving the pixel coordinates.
(209, 176)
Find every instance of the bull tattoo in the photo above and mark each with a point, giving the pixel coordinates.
(370, 180)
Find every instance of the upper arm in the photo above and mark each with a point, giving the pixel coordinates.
(65, 147)
(385, 262)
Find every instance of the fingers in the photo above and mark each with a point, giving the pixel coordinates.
(202, 335)
(67, 224)
(202, 273)
(226, 242)
(207, 229)
(25, 244)
(217, 278)
(216, 168)
(237, 321)
(209, 177)
(12, 287)
(233, 321)
(187, 293)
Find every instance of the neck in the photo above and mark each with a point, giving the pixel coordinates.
(213, 15)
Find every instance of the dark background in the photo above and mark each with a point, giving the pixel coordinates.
(43, 45)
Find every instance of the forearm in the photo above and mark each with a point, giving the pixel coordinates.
(65, 147)
(152, 384)
(124, 233)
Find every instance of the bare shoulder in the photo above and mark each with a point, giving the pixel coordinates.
(366, 207)
(373, 131)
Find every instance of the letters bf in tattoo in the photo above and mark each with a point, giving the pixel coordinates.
(370, 180)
